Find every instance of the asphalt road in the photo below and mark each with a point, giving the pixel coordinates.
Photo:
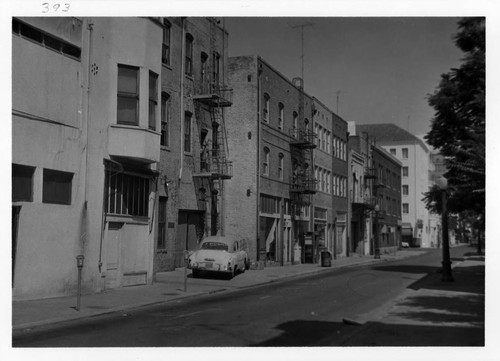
(305, 311)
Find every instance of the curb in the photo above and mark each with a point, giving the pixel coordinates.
(55, 322)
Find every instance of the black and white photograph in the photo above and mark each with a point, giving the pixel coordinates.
(219, 179)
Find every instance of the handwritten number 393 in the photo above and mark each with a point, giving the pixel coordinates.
(63, 7)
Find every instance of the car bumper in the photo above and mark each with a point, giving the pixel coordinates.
(209, 266)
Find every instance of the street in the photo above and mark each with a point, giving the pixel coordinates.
(320, 310)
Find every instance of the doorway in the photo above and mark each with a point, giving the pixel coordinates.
(190, 232)
(16, 210)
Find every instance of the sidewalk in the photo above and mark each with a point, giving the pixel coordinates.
(169, 286)
(430, 312)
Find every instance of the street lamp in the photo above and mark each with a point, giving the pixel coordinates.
(442, 183)
(377, 249)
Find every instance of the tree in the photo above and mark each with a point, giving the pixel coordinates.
(458, 127)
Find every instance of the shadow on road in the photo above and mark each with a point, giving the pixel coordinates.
(303, 333)
(414, 269)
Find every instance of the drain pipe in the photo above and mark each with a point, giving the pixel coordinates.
(181, 115)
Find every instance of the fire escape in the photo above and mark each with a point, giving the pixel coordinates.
(302, 182)
(212, 166)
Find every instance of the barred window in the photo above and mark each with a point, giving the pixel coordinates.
(127, 194)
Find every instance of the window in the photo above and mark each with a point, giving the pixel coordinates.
(327, 181)
(328, 145)
(153, 99)
(405, 190)
(280, 115)
(215, 69)
(45, 40)
(280, 166)
(203, 72)
(392, 151)
(405, 153)
(405, 208)
(128, 95)
(22, 183)
(162, 223)
(295, 121)
(165, 120)
(188, 63)
(265, 164)
(56, 187)
(265, 108)
(165, 47)
(405, 171)
(127, 194)
(187, 132)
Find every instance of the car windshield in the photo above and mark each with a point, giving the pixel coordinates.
(214, 245)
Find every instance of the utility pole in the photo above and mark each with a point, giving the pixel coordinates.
(302, 26)
(338, 92)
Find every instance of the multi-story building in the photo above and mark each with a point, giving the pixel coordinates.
(119, 148)
(194, 161)
(281, 140)
(414, 156)
(385, 179)
(360, 194)
(331, 172)
(85, 129)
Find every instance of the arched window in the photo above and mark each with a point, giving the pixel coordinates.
(188, 64)
(165, 48)
(265, 108)
(281, 108)
(295, 123)
(265, 162)
(280, 166)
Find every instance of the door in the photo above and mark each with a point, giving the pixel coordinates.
(15, 225)
(189, 234)
(113, 242)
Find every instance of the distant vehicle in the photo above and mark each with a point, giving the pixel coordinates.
(219, 254)
(405, 245)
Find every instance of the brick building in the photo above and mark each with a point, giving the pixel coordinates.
(194, 161)
(375, 193)
(275, 136)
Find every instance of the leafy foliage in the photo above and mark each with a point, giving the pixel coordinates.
(458, 127)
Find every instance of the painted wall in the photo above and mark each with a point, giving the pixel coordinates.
(53, 104)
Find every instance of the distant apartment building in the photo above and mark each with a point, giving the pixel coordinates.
(85, 135)
(281, 140)
(415, 158)
(119, 151)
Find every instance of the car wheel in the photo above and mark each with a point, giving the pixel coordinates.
(196, 273)
(247, 264)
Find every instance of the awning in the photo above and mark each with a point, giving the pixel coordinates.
(120, 167)
(406, 229)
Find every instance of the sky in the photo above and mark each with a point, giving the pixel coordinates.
(366, 69)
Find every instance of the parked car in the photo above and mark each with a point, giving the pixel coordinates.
(219, 254)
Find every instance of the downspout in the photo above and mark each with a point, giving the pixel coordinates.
(181, 100)
(259, 136)
(349, 209)
(83, 236)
